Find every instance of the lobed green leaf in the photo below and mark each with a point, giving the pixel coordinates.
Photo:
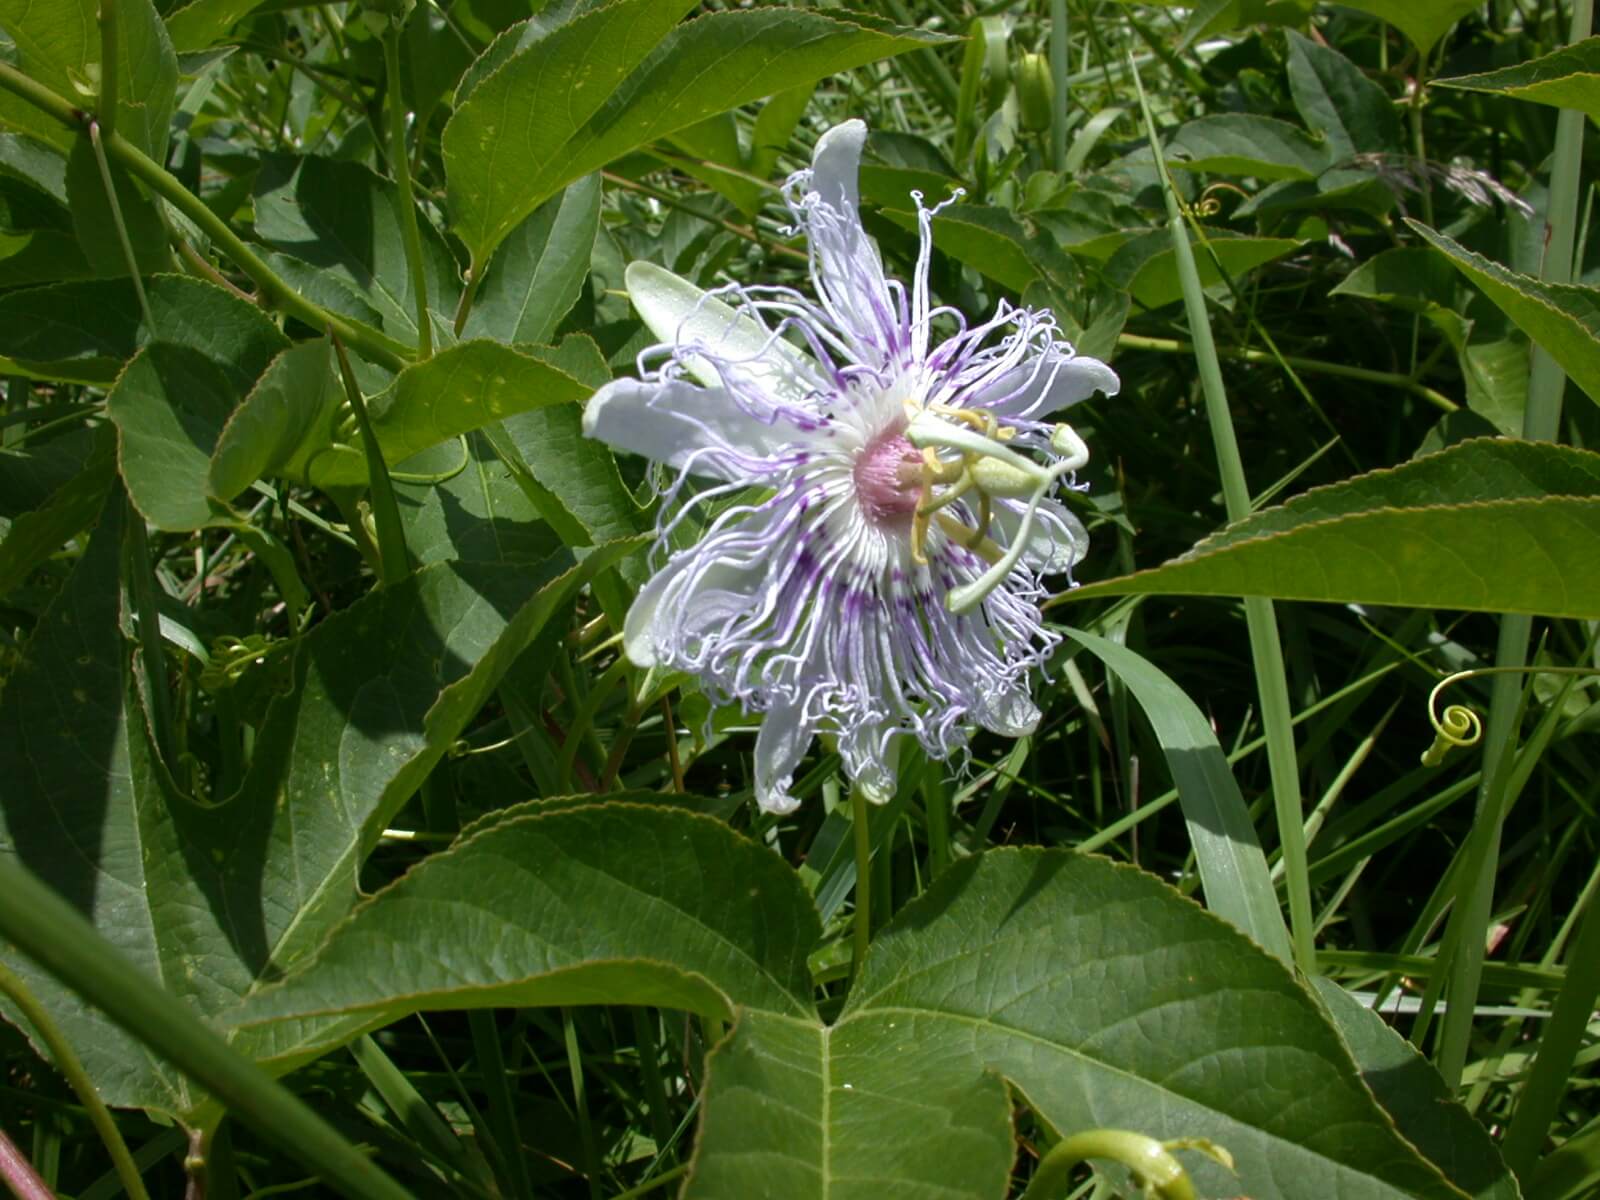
(1423, 21)
(1492, 525)
(1567, 78)
(1246, 144)
(1564, 318)
(57, 43)
(217, 896)
(1411, 1091)
(617, 78)
(1337, 101)
(345, 221)
(539, 272)
(570, 904)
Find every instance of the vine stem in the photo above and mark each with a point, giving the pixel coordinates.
(1541, 422)
(1266, 651)
(68, 1063)
(97, 133)
(862, 917)
(1311, 366)
(19, 1174)
(400, 167)
(375, 346)
(1419, 147)
(1152, 1162)
(394, 561)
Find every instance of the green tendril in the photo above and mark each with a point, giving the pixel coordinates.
(1158, 1172)
(1456, 725)
(232, 658)
(435, 476)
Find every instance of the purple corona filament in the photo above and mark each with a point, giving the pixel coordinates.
(855, 482)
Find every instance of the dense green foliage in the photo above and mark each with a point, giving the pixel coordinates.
(320, 762)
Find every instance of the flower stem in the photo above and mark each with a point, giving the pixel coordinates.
(400, 168)
(373, 345)
(863, 911)
(1266, 651)
(67, 1062)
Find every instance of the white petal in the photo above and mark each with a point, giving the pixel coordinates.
(692, 594)
(1009, 712)
(679, 313)
(670, 422)
(1056, 540)
(836, 165)
(849, 271)
(871, 767)
(639, 639)
(1034, 389)
(781, 744)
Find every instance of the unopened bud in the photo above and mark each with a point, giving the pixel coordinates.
(1036, 91)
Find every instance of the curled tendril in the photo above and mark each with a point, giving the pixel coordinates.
(1457, 725)
(1159, 1173)
(232, 657)
(1209, 205)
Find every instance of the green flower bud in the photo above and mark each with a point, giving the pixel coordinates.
(1036, 90)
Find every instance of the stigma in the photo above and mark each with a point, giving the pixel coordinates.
(888, 478)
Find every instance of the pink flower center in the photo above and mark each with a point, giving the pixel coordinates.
(887, 474)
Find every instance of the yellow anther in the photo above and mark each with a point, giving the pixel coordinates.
(985, 465)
